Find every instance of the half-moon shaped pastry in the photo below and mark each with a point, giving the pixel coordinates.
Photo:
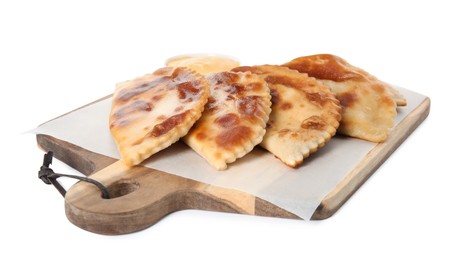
(369, 105)
(305, 113)
(151, 112)
(234, 119)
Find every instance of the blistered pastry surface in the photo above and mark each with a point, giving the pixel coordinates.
(305, 113)
(151, 112)
(369, 105)
(234, 119)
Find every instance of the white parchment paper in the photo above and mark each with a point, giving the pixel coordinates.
(259, 173)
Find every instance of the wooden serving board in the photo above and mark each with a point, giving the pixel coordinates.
(141, 196)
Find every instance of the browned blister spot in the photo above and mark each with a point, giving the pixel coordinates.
(168, 124)
(230, 97)
(255, 86)
(201, 136)
(188, 90)
(235, 89)
(127, 94)
(347, 99)
(223, 78)
(181, 74)
(120, 117)
(179, 108)
(317, 98)
(323, 66)
(233, 137)
(286, 106)
(157, 97)
(313, 122)
(227, 120)
(249, 105)
(181, 89)
(283, 80)
(211, 106)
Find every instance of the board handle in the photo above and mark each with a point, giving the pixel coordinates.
(139, 197)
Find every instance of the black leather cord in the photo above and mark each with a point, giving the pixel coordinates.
(48, 176)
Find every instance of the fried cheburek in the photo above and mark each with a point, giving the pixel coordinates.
(305, 113)
(151, 112)
(234, 120)
(369, 105)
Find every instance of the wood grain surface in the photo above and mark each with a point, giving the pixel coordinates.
(139, 196)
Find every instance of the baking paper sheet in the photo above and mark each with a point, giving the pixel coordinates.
(259, 173)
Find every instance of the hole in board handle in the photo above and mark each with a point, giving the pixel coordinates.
(122, 188)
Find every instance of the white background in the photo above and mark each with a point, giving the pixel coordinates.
(56, 56)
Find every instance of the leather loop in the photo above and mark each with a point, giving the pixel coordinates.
(48, 176)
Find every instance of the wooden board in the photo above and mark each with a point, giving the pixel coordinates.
(141, 196)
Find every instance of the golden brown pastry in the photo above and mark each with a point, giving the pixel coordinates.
(305, 113)
(234, 119)
(151, 112)
(369, 105)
